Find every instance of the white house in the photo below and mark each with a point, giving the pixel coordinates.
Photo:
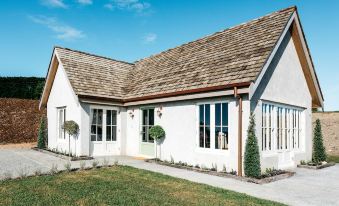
(201, 93)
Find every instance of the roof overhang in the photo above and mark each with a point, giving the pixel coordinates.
(294, 26)
(52, 69)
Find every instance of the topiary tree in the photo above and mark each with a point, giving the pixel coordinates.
(319, 152)
(72, 128)
(157, 132)
(252, 166)
(42, 135)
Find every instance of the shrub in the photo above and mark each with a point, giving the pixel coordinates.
(157, 132)
(72, 128)
(68, 166)
(319, 152)
(252, 156)
(105, 163)
(95, 163)
(37, 172)
(42, 136)
(82, 165)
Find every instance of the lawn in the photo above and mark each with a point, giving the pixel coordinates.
(333, 159)
(118, 185)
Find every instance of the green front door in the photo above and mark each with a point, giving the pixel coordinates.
(147, 142)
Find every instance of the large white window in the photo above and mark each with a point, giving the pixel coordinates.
(281, 127)
(221, 126)
(111, 125)
(204, 125)
(96, 124)
(213, 126)
(61, 113)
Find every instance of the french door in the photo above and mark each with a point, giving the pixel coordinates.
(103, 132)
(147, 146)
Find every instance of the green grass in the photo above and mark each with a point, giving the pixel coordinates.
(333, 159)
(119, 185)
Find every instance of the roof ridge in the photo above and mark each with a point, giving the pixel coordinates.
(95, 55)
(217, 33)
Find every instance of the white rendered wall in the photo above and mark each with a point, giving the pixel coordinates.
(62, 95)
(180, 122)
(285, 84)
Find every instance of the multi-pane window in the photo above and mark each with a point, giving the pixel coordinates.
(147, 123)
(204, 126)
(221, 126)
(96, 124)
(282, 126)
(111, 125)
(61, 120)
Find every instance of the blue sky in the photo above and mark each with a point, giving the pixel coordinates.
(132, 29)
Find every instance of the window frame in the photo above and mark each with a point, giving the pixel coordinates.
(221, 123)
(212, 148)
(286, 127)
(61, 132)
(147, 126)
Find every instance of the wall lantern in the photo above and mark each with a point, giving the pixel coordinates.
(131, 113)
(159, 112)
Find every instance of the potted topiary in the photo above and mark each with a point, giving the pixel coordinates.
(72, 128)
(157, 133)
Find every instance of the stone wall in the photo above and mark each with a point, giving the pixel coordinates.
(19, 120)
(330, 127)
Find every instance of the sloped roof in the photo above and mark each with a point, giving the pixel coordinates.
(235, 55)
(92, 75)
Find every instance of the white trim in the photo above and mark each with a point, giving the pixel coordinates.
(254, 86)
(309, 61)
(48, 79)
(188, 97)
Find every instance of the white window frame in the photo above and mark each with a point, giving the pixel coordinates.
(61, 131)
(221, 125)
(104, 113)
(287, 129)
(142, 109)
(212, 148)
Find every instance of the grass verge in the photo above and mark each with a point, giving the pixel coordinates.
(118, 185)
(333, 159)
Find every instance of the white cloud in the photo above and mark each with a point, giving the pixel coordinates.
(62, 31)
(150, 38)
(130, 5)
(85, 2)
(54, 3)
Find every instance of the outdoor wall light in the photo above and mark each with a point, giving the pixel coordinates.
(131, 113)
(159, 111)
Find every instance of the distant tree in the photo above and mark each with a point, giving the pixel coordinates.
(21, 87)
(319, 152)
(42, 136)
(252, 166)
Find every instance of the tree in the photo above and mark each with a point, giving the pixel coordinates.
(252, 157)
(157, 132)
(319, 152)
(72, 128)
(42, 135)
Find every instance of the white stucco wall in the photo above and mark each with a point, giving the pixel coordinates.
(62, 95)
(284, 83)
(180, 122)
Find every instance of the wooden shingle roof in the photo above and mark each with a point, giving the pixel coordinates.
(235, 55)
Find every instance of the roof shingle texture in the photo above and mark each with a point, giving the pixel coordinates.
(235, 55)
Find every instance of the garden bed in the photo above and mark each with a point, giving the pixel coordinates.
(62, 155)
(314, 166)
(274, 175)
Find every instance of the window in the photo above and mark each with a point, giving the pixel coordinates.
(111, 125)
(147, 123)
(221, 126)
(281, 127)
(204, 126)
(61, 112)
(96, 124)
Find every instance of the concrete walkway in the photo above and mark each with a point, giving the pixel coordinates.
(307, 187)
